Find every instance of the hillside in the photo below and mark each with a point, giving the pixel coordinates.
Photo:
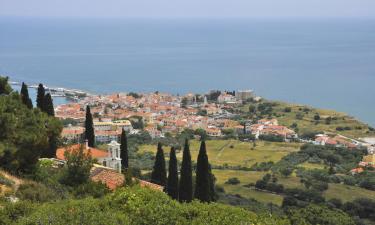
(235, 159)
(306, 119)
(130, 206)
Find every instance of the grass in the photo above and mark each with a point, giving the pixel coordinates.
(348, 193)
(236, 153)
(311, 166)
(245, 177)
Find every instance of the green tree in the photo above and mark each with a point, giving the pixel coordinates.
(185, 192)
(25, 96)
(202, 185)
(159, 173)
(23, 134)
(172, 183)
(78, 166)
(40, 97)
(48, 105)
(89, 128)
(124, 154)
(54, 128)
(5, 88)
(315, 214)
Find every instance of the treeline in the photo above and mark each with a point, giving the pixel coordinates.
(182, 187)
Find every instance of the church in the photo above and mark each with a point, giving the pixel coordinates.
(110, 158)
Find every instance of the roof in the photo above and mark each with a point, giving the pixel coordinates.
(95, 153)
(110, 177)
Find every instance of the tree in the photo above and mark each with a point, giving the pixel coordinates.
(24, 134)
(5, 88)
(124, 154)
(159, 173)
(48, 105)
(78, 166)
(89, 128)
(40, 97)
(172, 183)
(54, 128)
(202, 185)
(25, 96)
(185, 193)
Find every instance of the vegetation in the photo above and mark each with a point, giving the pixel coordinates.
(89, 128)
(130, 206)
(186, 178)
(203, 182)
(24, 134)
(124, 152)
(25, 96)
(159, 173)
(172, 183)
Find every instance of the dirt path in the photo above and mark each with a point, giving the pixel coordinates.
(221, 149)
(17, 181)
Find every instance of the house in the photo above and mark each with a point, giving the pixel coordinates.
(73, 134)
(226, 98)
(106, 136)
(213, 132)
(110, 158)
(368, 160)
(243, 95)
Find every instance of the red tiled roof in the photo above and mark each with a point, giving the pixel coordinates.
(95, 153)
(107, 176)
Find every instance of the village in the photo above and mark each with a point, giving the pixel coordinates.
(161, 114)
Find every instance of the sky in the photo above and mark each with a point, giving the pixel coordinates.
(189, 8)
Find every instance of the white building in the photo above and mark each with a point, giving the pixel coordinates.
(243, 95)
(113, 160)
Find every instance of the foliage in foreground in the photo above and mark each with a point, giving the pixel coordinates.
(130, 206)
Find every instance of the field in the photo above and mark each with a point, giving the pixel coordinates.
(236, 153)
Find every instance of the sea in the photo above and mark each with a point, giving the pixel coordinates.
(326, 63)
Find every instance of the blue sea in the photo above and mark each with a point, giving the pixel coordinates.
(322, 63)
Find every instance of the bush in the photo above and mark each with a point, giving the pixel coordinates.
(233, 181)
(141, 206)
(36, 192)
(272, 138)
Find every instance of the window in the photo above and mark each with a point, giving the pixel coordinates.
(104, 163)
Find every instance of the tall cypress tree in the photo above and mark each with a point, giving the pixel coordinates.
(172, 184)
(124, 154)
(185, 193)
(40, 97)
(202, 185)
(159, 173)
(25, 96)
(89, 126)
(48, 105)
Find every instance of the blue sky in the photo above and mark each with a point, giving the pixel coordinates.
(188, 8)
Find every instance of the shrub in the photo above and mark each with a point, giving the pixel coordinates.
(233, 181)
(36, 192)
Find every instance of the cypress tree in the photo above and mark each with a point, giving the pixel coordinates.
(89, 126)
(48, 105)
(213, 194)
(25, 96)
(159, 173)
(185, 193)
(40, 97)
(124, 150)
(172, 184)
(202, 185)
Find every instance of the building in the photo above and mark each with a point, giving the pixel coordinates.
(243, 95)
(226, 98)
(110, 158)
(106, 136)
(73, 134)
